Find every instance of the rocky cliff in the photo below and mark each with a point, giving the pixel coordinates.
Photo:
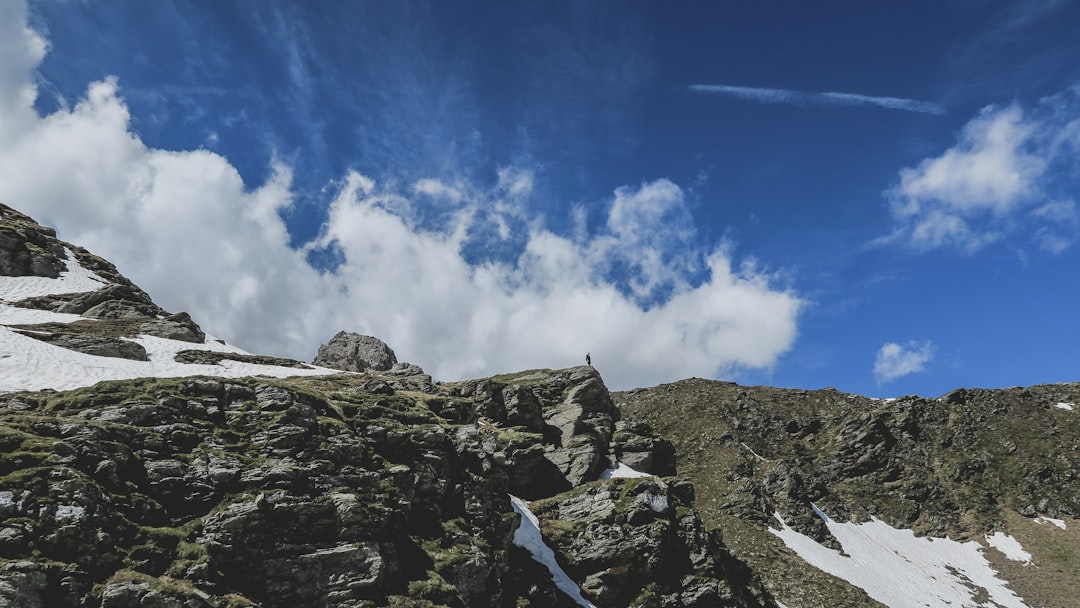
(346, 490)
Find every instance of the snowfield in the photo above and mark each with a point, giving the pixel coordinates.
(901, 570)
(27, 364)
(75, 279)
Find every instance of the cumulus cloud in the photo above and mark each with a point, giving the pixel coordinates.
(829, 98)
(1008, 176)
(897, 360)
(187, 228)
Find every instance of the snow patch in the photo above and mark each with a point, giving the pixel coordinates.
(901, 570)
(622, 471)
(75, 279)
(1057, 522)
(1009, 546)
(27, 364)
(13, 315)
(527, 536)
(1064, 406)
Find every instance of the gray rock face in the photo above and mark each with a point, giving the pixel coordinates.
(175, 327)
(27, 249)
(352, 352)
(98, 346)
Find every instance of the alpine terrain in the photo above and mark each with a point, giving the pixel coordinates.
(147, 464)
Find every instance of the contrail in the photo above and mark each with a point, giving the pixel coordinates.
(830, 98)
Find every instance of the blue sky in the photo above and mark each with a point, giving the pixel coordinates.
(878, 197)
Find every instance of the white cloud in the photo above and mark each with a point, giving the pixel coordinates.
(829, 98)
(990, 169)
(1001, 180)
(21, 50)
(896, 360)
(185, 227)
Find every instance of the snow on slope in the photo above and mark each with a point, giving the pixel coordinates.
(27, 364)
(75, 279)
(901, 570)
(1009, 546)
(621, 470)
(527, 536)
(1057, 522)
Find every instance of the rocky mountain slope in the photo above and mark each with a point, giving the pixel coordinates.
(996, 471)
(173, 470)
(145, 463)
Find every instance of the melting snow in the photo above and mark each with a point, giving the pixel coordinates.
(527, 536)
(621, 470)
(901, 570)
(27, 364)
(1064, 406)
(75, 279)
(1057, 522)
(1009, 546)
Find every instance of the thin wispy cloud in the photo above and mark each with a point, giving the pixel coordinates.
(828, 98)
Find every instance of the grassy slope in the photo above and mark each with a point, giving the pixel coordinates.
(958, 468)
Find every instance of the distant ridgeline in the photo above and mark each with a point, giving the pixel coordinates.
(144, 463)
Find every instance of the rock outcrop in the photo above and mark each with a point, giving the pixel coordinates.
(27, 249)
(342, 491)
(352, 352)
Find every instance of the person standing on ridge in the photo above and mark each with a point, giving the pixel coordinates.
(588, 359)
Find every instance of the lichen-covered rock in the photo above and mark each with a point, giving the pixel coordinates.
(637, 542)
(329, 491)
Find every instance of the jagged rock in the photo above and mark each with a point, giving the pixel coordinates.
(627, 539)
(353, 352)
(114, 301)
(158, 492)
(27, 249)
(637, 446)
(99, 346)
(405, 369)
(174, 327)
(23, 584)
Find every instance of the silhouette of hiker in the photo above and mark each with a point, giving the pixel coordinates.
(588, 359)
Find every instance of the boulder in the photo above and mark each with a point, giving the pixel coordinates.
(98, 346)
(352, 352)
(175, 327)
